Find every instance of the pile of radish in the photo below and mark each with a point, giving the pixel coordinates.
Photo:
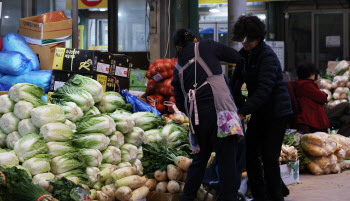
(172, 179)
(119, 184)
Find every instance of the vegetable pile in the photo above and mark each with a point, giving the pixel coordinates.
(84, 135)
(337, 87)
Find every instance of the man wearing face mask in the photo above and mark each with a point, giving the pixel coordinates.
(202, 93)
(268, 103)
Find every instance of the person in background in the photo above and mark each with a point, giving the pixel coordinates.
(311, 116)
(268, 103)
(202, 93)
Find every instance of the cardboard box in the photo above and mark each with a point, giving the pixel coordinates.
(109, 83)
(138, 78)
(82, 61)
(44, 31)
(3, 93)
(155, 196)
(46, 54)
(121, 66)
(290, 173)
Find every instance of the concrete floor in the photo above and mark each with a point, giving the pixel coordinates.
(333, 187)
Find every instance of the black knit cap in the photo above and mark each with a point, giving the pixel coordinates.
(182, 37)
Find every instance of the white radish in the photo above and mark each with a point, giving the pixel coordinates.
(160, 176)
(123, 193)
(122, 172)
(174, 172)
(132, 182)
(183, 162)
(139, 193)
(101, 196)
(173, 187)
(109, 192)
(151, 184)
(162, 187)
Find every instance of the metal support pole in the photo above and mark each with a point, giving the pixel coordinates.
(27, 8)
(236, 8)
(193, 16)
(113, 26)
(75, 42)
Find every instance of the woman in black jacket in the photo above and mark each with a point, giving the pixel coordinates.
(268, 103)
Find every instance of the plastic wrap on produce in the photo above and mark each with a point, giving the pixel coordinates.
(16, 42)
(137, 104)
(14, 63)
(319, 144)
(40, 78)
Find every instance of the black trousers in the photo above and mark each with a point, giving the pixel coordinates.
(226, 152)
(264, 139)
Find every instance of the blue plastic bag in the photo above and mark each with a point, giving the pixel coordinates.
(40, 78)
(137, 104)
(16, 42)
(14, 63)
(5, 86)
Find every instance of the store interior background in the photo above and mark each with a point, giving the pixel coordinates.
(303, 26)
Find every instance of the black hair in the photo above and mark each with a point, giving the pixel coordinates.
(249, 26)
(182, 37)
(306, 69)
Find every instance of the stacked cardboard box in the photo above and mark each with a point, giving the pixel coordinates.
(43, 38)
(111, 70)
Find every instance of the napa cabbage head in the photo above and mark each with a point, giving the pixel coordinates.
(71, 111)
(174, 134)
(152, 135)
(59, 148)
(29, 145)
(8, 159)
(71, 125)
(23, 109)
(26, 126)
(12, 138)
(25, 169)
(92, 157)
(124, 123)
(92, 173)
(56, 131)
(38, 164)
(90, 85)
(117, 139)
(112, 101)
(124, 164)
(111, 155)
(7, 104)
(135, 137)
(139, 153)
(77, 176)
(98, 123)
(27, 92)
(147, 120)
(91, 141)
(128, 152)
(47, 114)
(92, 111)
(74, 94)
(67, 162)
(9, 122)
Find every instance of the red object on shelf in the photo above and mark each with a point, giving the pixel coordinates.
(0, 43)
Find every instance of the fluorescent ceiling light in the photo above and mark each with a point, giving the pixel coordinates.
(6, 16)
(103, 9)
(214, 10)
